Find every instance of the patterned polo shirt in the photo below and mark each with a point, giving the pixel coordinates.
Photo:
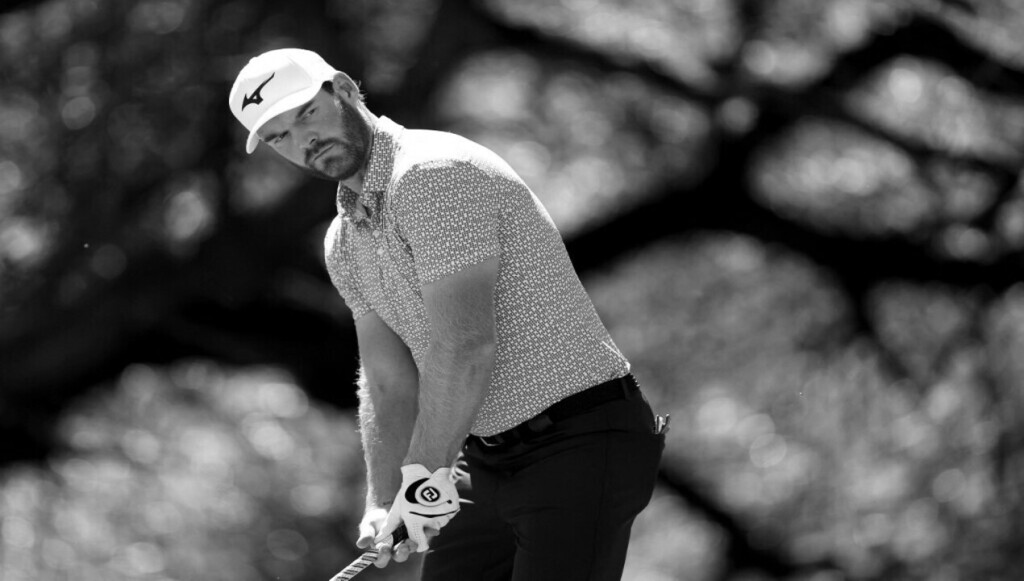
(438, 203)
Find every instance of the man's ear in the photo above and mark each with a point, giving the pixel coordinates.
(345, 88)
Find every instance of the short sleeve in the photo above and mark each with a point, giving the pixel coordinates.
(338, 267)
(448, 212)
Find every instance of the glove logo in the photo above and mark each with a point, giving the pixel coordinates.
(430, 494)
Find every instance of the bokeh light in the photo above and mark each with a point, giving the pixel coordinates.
(829, 422)
(175, 470)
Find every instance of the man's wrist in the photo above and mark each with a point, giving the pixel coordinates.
(374, 502)
(430, 461)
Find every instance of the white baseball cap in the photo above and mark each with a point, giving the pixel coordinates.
(274, 82)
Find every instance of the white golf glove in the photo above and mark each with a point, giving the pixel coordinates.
(424, 500)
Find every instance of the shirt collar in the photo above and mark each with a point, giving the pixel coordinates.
(383, 148)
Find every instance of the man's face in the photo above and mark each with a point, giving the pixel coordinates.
(326, 137)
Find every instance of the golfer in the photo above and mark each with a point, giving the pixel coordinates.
(500, 423)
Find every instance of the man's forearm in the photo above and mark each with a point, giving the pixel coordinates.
(386, 420)
(452, 387)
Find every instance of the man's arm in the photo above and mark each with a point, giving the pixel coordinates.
(388, 388)
(458, 363)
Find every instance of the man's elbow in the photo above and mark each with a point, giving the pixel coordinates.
(485, 349)
(381, 384)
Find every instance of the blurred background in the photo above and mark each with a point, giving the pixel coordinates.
(802, 220)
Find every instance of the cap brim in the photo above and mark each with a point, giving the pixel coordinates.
(282, 106)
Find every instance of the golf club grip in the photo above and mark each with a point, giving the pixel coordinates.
(369, 556)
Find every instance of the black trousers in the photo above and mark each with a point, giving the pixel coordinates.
(558, 507)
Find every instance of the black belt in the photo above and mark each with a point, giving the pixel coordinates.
(621, 388)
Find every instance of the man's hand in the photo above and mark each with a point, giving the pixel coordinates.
(372, 523)
(425, 501)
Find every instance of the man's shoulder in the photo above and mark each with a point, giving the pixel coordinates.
(430, 161)
(434, 143)
(425, 151)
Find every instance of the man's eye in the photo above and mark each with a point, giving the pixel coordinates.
(308, 114)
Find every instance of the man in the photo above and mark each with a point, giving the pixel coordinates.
(477, 342)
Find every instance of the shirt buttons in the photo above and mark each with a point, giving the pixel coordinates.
(380, 252)
(376, 233)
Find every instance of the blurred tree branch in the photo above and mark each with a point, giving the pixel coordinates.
(725, 200)
(223, 303)
(722, 199)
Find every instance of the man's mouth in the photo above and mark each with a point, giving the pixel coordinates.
(320, 153)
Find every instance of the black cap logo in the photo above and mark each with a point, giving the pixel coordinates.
(256, 98)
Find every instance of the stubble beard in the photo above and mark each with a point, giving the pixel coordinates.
(345, 158)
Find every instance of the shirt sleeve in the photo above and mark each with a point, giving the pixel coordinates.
(340, 272)
(448, 212)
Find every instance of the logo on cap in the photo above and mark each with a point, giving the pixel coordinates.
(256, 98)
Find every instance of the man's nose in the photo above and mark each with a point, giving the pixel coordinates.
(308, 142)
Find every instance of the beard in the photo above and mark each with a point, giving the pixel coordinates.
(344, 157)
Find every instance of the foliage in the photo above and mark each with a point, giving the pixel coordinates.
(815, 448)
(802, 220)
(194, 471)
